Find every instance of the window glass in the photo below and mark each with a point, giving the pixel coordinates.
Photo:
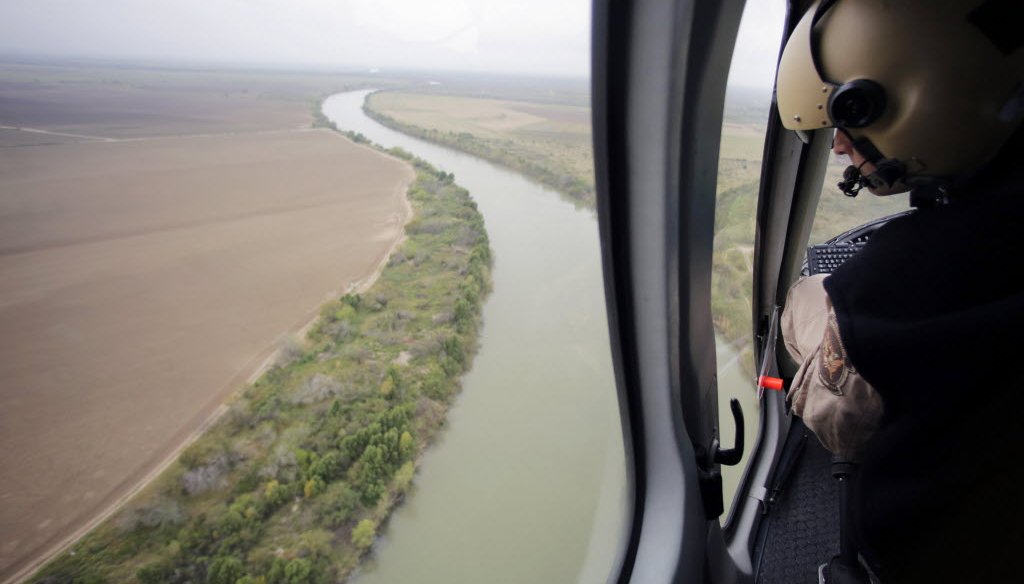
(300, 340)
(747, 103)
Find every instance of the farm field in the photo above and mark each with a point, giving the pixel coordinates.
(161, 235)
(125, 102)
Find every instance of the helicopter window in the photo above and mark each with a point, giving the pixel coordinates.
(176, 206)
(747, 104)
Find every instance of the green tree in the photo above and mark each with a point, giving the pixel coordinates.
(276, 494)
(463, 315)
(436, 385)
(403, 476)
(364, 534)
(276, 573)
(225, 570)
(336, 505)
(371, 473)
(353, 300)
(406, 445)
(298, 571)
(387, 387)
(328, 467)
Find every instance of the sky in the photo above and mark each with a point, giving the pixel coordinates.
(499, 36)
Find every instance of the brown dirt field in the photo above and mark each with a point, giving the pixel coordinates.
(142, 281)
(120, 112)
(122, 102)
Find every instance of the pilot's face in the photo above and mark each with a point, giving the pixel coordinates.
(842, 145)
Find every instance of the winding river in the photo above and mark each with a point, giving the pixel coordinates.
(527, 484)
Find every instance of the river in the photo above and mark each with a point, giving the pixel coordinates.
(527, 483)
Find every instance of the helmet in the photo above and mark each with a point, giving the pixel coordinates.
(926, 89)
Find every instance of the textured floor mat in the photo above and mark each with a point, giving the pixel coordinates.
(802, 530)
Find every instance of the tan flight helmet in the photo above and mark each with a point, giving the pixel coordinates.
(926, 89)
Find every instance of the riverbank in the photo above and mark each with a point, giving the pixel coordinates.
(548, 143)
(292, 481)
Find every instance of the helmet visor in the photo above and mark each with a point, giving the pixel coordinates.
(802, 94)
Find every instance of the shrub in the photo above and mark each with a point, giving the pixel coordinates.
(155, 514)
(276, 494)
(337, 504)
(156, 573)
(225, 570)
(317, 388)
(208, 476)
(364, 534)
(353, 300)
(297, 571)
(404, 476)
(288, 351)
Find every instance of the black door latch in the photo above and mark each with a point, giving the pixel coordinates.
(710, 476)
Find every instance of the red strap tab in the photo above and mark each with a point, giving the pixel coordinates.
(769, 382)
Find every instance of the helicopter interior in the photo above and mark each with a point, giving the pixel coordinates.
(659, 76)
(659, 82)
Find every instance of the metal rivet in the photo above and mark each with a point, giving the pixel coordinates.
(796, 118)
(820, 106)
(824, 122)
(824, 89)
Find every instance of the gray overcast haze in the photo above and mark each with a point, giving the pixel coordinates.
(498, 36)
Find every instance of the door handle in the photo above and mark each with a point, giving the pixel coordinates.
(732, 456)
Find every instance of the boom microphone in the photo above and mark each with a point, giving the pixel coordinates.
(853, 181)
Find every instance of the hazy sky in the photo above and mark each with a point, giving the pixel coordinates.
(522, 36)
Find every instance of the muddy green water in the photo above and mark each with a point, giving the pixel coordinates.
(527, 483)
